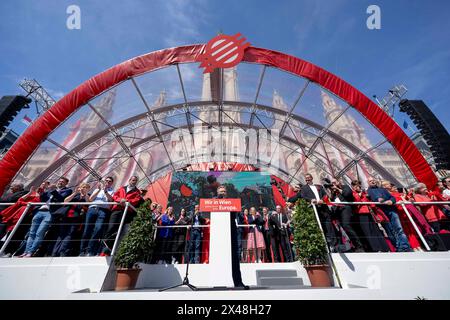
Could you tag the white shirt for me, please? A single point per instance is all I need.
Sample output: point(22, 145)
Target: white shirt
point(196, 220)
point(446, 193)
point(129, 188)
point(314, 190)
point(101, 197)
point(46, 207)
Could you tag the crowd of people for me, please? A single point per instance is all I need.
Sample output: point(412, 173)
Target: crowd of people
point(379, 227)
point(264, 234)
point(60, 230)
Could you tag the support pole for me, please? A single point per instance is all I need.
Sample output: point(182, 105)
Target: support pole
point(8, 239)
point(416, 228)
point(333, 266)
point(119, 231)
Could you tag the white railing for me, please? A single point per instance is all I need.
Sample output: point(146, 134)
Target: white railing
point(33, 204)
point(403, 204)
point(127, 206)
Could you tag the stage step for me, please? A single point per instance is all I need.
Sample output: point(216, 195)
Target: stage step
point(277, 273)
point(272, 282)
point(279, 278)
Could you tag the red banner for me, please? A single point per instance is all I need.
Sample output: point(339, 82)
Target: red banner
point(220, 205)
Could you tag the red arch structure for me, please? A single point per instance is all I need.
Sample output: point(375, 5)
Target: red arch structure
point(30, 140)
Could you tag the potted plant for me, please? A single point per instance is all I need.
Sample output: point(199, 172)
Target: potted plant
point(136, 246)
point(310, 245)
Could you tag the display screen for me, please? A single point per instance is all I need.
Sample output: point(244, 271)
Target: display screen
point(253, 188)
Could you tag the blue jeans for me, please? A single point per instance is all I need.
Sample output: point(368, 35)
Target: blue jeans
point(195, 245)
point(95, 218)
point(401, 241)
point(39, 226)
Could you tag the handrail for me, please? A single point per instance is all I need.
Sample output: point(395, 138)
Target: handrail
point(395, 203)
point(202, 226)
point(332, 203)
point(64, 203)
point(183, 226)
point(128, 205)
point(330, 257)
point(30, 204)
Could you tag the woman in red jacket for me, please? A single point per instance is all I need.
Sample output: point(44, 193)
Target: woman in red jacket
point(432, 213)
point(11, 215)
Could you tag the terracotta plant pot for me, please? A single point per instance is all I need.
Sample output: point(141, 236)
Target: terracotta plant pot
point(126, 279)
point(319, 275)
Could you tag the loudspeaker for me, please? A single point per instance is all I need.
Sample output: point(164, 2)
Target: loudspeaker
point(431, 129)
point(9, 108)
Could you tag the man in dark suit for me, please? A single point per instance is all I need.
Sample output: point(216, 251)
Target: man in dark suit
point(43, 216)
point(343, 193)
point(195, 242)
point(266, 234)
point(235, 266)
point(278, 230)
point(315, 194)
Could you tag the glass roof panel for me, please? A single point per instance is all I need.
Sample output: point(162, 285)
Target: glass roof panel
point(123, 102)
point(204, 114)
point(161, 87)
point(340, 155)
point(76, 175)
point(247, 77)
point(389, 159)
point(151, 159)
point(317, 114)
point(353, 127)
point(121, 169)
point(303, 133)
point(45, 154)
point(82, 125)
point(192, 77)
point(64, 170)
point(311, 106)
point(280, 89)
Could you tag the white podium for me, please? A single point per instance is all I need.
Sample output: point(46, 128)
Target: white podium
point(220, 271)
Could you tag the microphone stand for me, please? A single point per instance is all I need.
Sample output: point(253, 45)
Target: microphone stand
point(186, 276)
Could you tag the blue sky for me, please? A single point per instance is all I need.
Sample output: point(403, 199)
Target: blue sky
point(412, 47)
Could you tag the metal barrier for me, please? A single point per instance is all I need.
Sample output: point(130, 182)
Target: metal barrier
point(403, 204)
point(33, 204)
point(170, 256)
point(127, 206)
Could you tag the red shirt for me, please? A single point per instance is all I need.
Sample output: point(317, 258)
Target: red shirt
point(361, 209)
point(133, 197)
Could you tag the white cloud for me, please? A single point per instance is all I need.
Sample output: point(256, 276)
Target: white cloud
point(185, 18)
point(56, 94)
